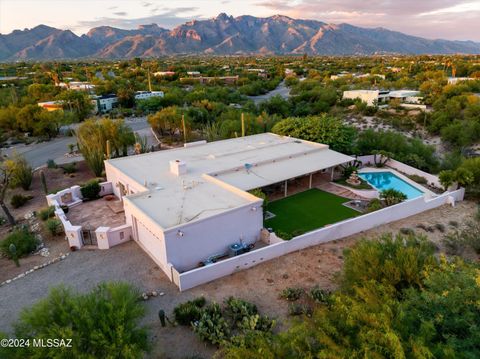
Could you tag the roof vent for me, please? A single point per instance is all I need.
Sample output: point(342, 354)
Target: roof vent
point(178, 167)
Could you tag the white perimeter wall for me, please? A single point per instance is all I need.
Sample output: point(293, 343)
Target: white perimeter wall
point(343, 229)
point(213, 235)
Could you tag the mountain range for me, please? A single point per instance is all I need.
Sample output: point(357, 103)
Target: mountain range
point(222, 35)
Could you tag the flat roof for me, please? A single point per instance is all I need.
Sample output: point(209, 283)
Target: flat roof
point(218, 173)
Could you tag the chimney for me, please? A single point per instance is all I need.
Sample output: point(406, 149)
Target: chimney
point(178, 167)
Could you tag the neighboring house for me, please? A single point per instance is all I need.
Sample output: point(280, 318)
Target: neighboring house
point(356, 76)
point(455, 80)
point(142, 95)
point(104, 103)
point(77, 86)
point(205, 79)
point(51, 105)
point(189, 204)
point(371, 97)
point(163, 73)
point(381, 98)
point(193, 73)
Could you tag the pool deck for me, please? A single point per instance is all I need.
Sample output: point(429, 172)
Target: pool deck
point(427, 193)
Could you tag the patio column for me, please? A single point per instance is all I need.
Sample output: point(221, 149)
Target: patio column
point(286, 188)
point(310, 184)
point(332, 172)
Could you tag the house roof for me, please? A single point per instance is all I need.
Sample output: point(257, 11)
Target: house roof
point(218, 174)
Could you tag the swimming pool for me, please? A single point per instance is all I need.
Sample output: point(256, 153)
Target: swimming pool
point(388, 180)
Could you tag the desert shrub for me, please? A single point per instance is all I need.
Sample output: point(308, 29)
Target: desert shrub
point(295, 309)
point(453, 223)
point(392, 196)
point(212, 326)
point(46, 213)
point(466, 237)
point(22, 173)
point(440, 227)
point(24, 241)
point(237, 308)
point(103, 323)
point(407, 231)
point(69, 168)
point(418, 179)
point(51, 164)
point(54, 226)
point(291, 294)
point(90, 190)
point(189, 312)
point(319, 295)
point(18, 200)
point(374, 205)
point(397, 261)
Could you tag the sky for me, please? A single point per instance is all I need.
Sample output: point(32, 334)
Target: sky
point(446, 19)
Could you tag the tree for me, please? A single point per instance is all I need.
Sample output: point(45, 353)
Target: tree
point(92, 136)
point(446, 178)
point(6, 175)
point(90, 141)
point(77, 102)
point(167, 121)
point(22, 172)
point(103, 323)
point(126, 97)
point(322, 129)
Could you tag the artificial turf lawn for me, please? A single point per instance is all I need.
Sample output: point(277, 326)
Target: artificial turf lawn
point(306, 211)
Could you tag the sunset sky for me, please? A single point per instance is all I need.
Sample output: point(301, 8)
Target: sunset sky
point(447, 19)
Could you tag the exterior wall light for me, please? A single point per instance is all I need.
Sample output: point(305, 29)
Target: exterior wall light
point(254, 209)
point(180, 233)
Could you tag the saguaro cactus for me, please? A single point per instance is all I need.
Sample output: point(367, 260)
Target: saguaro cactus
point(44, 182)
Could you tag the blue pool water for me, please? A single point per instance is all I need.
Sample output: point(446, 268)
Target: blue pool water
point(388, 180)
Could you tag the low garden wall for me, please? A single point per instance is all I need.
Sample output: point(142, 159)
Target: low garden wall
point(106, 237)
point(195, 277)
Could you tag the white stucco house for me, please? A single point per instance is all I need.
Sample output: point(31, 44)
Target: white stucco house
point(188, 204)
point(143, 95)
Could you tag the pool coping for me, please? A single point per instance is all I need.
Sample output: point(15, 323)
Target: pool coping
point(426, 192)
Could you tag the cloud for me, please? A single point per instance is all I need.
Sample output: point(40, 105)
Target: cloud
point(166, 19)
point(147, 4)
point(416, 17)
point(120, 13)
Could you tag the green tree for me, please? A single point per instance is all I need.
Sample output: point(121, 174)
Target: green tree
point(322, 129)
point(103, 323)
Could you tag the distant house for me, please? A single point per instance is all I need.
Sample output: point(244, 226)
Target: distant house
point(143, 95)
point(371, 97)
point(51, 105)
point(163, 73)
point(382, 97)
point(193, 73)
point(104, 103)
point(355, 76)
point(455, 80)
point(206, 80)
point(77, 86)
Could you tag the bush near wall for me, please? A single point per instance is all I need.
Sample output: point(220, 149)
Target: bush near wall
point(24, 241)
point(90, 190)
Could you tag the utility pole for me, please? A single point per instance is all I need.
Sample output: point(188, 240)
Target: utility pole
point(108, 149)
point(149, 81)
point(184, 129)
point(243, 125)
